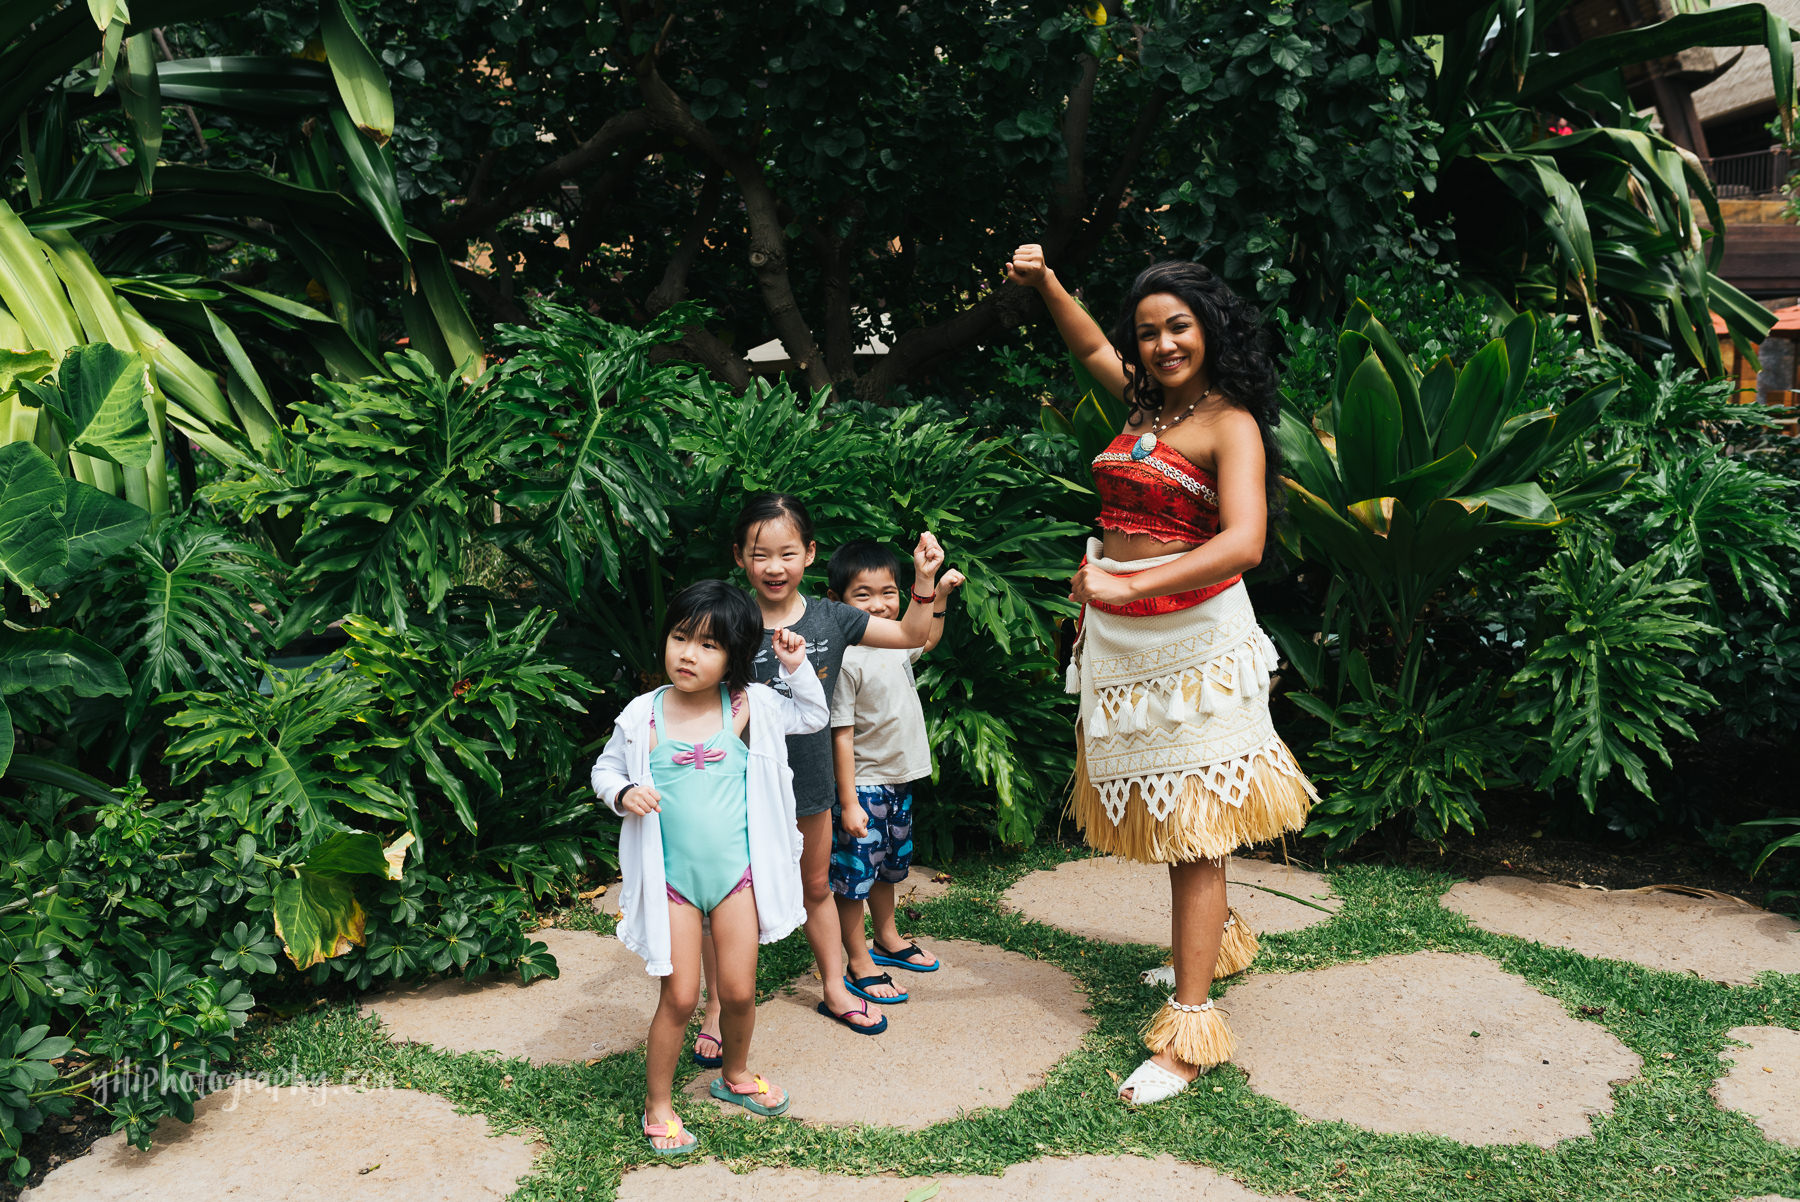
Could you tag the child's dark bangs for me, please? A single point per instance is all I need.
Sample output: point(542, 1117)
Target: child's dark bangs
point(701, 624)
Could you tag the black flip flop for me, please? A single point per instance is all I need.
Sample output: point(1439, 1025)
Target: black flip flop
point(898, 959)
point(708, 1061)
point(844, 1018)
point(860, 987)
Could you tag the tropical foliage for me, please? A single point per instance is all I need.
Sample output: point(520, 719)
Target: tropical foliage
point(1635, 568)
point(1563, 196)
point(98, 245)
point(315, 613)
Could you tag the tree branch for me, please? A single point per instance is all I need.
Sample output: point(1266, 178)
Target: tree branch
point(1071, 204)
point(702, 346)
point(673, 285)
point(584, 230)
point(490, 295)
point(921, 347)
point(162, 43)
point(477, 215)
point(768, 237)
point(834, 256)
point(1106, 208)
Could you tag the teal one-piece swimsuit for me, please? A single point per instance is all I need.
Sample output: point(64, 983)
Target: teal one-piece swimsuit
point(705, 811)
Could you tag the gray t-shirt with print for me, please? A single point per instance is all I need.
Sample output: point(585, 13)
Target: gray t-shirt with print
point(828, 627)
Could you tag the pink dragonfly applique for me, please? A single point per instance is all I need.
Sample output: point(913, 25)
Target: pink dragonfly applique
point(699, 756)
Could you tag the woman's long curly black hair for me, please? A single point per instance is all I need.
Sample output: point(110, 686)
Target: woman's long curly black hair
point(1240, 354)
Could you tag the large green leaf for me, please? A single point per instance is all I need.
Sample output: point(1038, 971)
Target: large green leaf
point(1415, 441)
point(23, 365)
point(1736, 25)
point(46, 771)
point(1478, 403)
point(48, 658)
point(1369, 431)
point(348, 852)
point(1429, 481)
point(446, 306)
point(29, 288)
point(143, 104)
point(361, 82)
point(96, 524)
point(1525, 501)
point(317, 914)
point(317, 917)
point(260, 86)
point(1558, 204)
point(1097, 420)
point(32, 501)
point(101, 391)
point(6, 737)
point(1305, 457)
point(371, 171)
point(1436, 391)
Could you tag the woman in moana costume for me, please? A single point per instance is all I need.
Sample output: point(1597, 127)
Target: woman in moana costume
point(1177, 762)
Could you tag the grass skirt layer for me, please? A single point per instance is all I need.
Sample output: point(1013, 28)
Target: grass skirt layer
point(1200, 1037)
point(1176, 758)
point(1202, 824)
point(1237, 949)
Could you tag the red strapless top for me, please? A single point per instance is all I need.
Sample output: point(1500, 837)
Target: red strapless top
point(1162, 495)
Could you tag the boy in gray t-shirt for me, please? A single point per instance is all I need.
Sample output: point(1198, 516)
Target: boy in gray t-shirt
point(879, 748)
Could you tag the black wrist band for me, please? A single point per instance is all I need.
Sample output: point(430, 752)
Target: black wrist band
point(618, 801)
point(938, 613)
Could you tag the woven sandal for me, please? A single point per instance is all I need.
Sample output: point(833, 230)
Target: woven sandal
point(1151, 1082)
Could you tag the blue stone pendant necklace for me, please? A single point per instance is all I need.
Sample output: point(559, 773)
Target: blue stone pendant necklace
point(1146, 443)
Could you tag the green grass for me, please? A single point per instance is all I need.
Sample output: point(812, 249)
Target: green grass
point(1665, 1139)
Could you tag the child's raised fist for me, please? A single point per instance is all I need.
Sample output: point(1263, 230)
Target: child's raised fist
point(949, 582)
point(790, 649)
point(928, 557)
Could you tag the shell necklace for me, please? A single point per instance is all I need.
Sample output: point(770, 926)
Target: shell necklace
point(1146, 443)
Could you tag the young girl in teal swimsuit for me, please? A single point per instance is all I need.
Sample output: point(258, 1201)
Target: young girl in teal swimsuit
point(698, 771)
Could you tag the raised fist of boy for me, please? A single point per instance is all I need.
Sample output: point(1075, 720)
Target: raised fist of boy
point(928, 557)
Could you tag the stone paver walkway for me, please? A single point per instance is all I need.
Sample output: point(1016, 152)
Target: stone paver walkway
point(601, 1004)
point(303, 1144)
point(1764, 1081)
point(1431, 1041)
point(1718, 939)
point(980, 1031)
point(1077, 1179)
point(1121, 901)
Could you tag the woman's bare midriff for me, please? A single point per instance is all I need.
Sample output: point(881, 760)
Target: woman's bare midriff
point(1117, 544)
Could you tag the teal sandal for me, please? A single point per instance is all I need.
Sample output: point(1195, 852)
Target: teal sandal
point(744, 1095)
point(673, 1129)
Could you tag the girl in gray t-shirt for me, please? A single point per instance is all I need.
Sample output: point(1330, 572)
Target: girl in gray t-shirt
point(773, 542)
